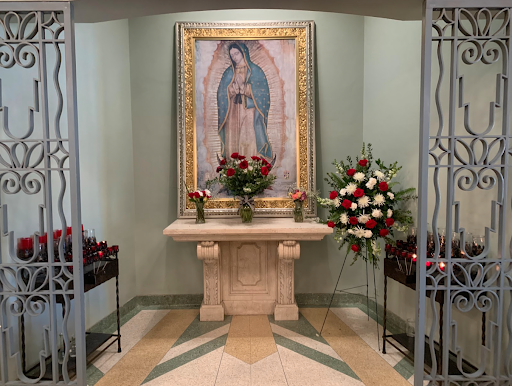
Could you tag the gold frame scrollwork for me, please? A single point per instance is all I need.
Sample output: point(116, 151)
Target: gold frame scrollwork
point(303, 33)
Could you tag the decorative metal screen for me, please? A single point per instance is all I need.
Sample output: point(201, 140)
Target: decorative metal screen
point(464, 188)
point(39, 180)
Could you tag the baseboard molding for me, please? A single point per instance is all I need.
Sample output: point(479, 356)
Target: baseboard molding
point(109, 323)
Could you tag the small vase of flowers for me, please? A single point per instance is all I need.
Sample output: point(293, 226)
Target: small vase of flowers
point(200, 197)
point(244, 179)
point(298, 197)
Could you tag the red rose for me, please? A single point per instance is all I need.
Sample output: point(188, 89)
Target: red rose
point(219, 168)
point(264, 161)
point(355, 248)
point(191, 195)
point(363, 162)
point(230, 172)
point(353, 220)
point(264, 170)
point(351, 172)
point(244, 164)
point(269, 165)
point(254, 158)
point(333, 195)
point(234, 155)
point(346, 204)
point(197, 195)
point(331, 224)
point(241, 157)
point(389, 222)
point(383, 186)
point(370, 224)
point(383, 232)
point(359, 192)
point(223, 162)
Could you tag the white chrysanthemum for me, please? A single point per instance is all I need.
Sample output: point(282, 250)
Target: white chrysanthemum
point(353, 206)
point(377, 213)
point(343, 192)
point(363, 218)
point(363, 202)
point(391, 195)
point(344, 218)
point(379, 199)
point(336, 202)
point(200, 193)
point(359, 177)
point(371, 183)
point(359, 232)
point(368, 234)
point(351, 231)
point(247, 190)
point(351, 188)
point(390, 213)
point(208, 193)
point(380, 176)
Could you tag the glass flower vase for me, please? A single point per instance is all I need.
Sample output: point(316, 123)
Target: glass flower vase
point(246, 213)
point(200, 213)
point(298, 212)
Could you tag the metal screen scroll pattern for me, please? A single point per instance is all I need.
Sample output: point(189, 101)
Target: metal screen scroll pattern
point(30, 33)
point(457, 156)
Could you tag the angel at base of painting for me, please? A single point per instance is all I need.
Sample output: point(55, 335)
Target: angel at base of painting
point(243, 102)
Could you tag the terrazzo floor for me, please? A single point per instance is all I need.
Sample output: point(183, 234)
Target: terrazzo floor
point(172, 347)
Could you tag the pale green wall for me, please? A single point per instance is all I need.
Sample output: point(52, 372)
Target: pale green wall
point(106, 150)
point(167, 267)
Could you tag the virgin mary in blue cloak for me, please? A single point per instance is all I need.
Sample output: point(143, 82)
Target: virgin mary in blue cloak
point(243, 101)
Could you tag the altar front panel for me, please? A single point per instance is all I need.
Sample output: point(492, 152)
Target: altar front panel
point(249, 277)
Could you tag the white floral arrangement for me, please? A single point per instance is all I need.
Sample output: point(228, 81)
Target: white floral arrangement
point(364, 204)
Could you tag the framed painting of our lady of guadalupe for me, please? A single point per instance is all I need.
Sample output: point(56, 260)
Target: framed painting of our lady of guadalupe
point(246, 88)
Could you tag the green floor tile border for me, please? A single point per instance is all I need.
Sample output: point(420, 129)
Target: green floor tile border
point(316, 356)
point(186, 357)
point(93, 375)
point(405, 368)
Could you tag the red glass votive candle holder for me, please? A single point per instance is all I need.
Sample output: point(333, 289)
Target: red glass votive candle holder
point(25, 248)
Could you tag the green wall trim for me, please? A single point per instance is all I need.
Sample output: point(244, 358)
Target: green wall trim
point(166, 302)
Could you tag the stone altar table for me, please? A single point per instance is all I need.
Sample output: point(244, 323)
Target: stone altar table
point(248, 269)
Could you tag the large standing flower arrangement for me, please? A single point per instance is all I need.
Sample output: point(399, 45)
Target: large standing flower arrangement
point(363, 205)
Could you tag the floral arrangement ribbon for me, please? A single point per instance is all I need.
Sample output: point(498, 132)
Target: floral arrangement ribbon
point(246, 200)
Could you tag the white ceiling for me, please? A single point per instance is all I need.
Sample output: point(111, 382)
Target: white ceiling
point(91, 11)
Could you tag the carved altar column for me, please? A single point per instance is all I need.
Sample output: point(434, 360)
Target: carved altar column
point(212, 307)
point(248, 269)
point(286, 307)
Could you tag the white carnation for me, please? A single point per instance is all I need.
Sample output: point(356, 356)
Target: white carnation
point(377, 213)
point(363, 218)
point(359, 177)
point(371, 183)
point(391, 195)
point(245, 171)
point(250, 168)
point(344, 218)
point(200, 193)
point(368, 234)
point(390, 213)
point(363, 202)
point(343, 192)
point(353, 206)
point(380, 176)
point(208, 193)
point(351, 188)
point(379, 199)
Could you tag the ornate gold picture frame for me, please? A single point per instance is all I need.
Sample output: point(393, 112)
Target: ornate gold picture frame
point(279, 65)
